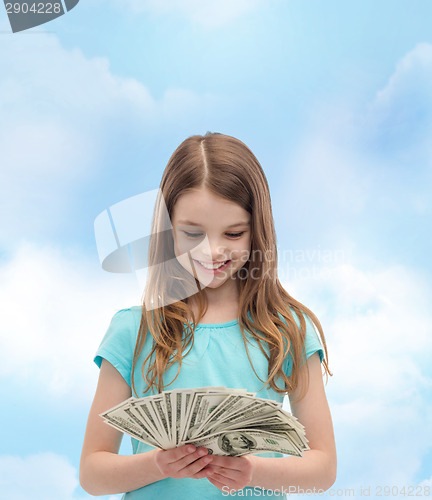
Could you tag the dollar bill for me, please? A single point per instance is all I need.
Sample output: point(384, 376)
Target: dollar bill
point(245, 441)
point(227, 421)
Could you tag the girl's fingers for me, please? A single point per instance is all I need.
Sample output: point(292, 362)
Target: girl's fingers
point(201, 474)
point(222, 479)
point(196, 467)
point(222, 472)
point(192, 457)
point(217, 483)
point(175, 454)
point(188, 464)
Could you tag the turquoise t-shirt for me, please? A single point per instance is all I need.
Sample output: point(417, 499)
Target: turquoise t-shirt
point(218, 358)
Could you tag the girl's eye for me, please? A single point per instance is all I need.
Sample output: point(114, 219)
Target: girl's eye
point(197, 235)
point(192, 235)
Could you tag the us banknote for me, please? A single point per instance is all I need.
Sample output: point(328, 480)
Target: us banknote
point(230, 422)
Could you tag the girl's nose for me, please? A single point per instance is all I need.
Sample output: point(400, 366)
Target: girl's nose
point(214, 249)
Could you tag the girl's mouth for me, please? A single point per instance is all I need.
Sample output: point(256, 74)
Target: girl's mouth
point(210, 269)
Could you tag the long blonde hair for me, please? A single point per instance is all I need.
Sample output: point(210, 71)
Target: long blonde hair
point(228, 168)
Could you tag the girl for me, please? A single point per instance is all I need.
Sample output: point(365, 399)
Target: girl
point(223, 319)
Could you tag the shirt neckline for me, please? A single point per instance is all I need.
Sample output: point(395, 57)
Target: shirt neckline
point(218, 325)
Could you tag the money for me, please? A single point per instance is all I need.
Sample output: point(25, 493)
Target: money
point(230, 422)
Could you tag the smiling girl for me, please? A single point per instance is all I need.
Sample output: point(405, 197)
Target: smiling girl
point(223, 319)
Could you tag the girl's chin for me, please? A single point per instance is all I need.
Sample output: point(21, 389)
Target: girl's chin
point(207, 277)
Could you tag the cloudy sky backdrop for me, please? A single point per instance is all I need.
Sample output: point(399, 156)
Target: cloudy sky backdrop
point(335, 100)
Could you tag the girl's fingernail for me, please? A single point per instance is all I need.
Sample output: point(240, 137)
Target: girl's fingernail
point(191, 449)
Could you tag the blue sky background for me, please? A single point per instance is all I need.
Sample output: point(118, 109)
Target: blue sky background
point(335, 100)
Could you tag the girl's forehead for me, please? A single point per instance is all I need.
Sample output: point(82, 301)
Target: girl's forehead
point(199, 207)
point(203, 196)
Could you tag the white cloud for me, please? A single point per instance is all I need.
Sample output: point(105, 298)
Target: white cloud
point(399, 118)
point(56, 307)
point(377, 325)
point(426, 483)
point(52, 128)
point(61, 111)
point(372, 160)
point(42, 476)
point(328, 176)
point(45, 476)
point(209, 14)
point(411, 78)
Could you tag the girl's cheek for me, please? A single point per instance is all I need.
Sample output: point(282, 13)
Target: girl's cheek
point(241, 257)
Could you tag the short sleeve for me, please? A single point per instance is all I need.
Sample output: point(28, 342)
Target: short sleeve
point(118, 344)
point(312, 342)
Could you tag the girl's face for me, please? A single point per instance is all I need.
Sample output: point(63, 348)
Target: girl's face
point(208, 231)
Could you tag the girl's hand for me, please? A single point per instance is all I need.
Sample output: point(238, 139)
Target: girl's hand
point(232, 472)
point(184, 461)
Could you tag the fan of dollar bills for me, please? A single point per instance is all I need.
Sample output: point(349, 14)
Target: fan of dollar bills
point(225, 421)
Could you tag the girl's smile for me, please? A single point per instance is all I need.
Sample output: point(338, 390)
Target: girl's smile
point(213, 268)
